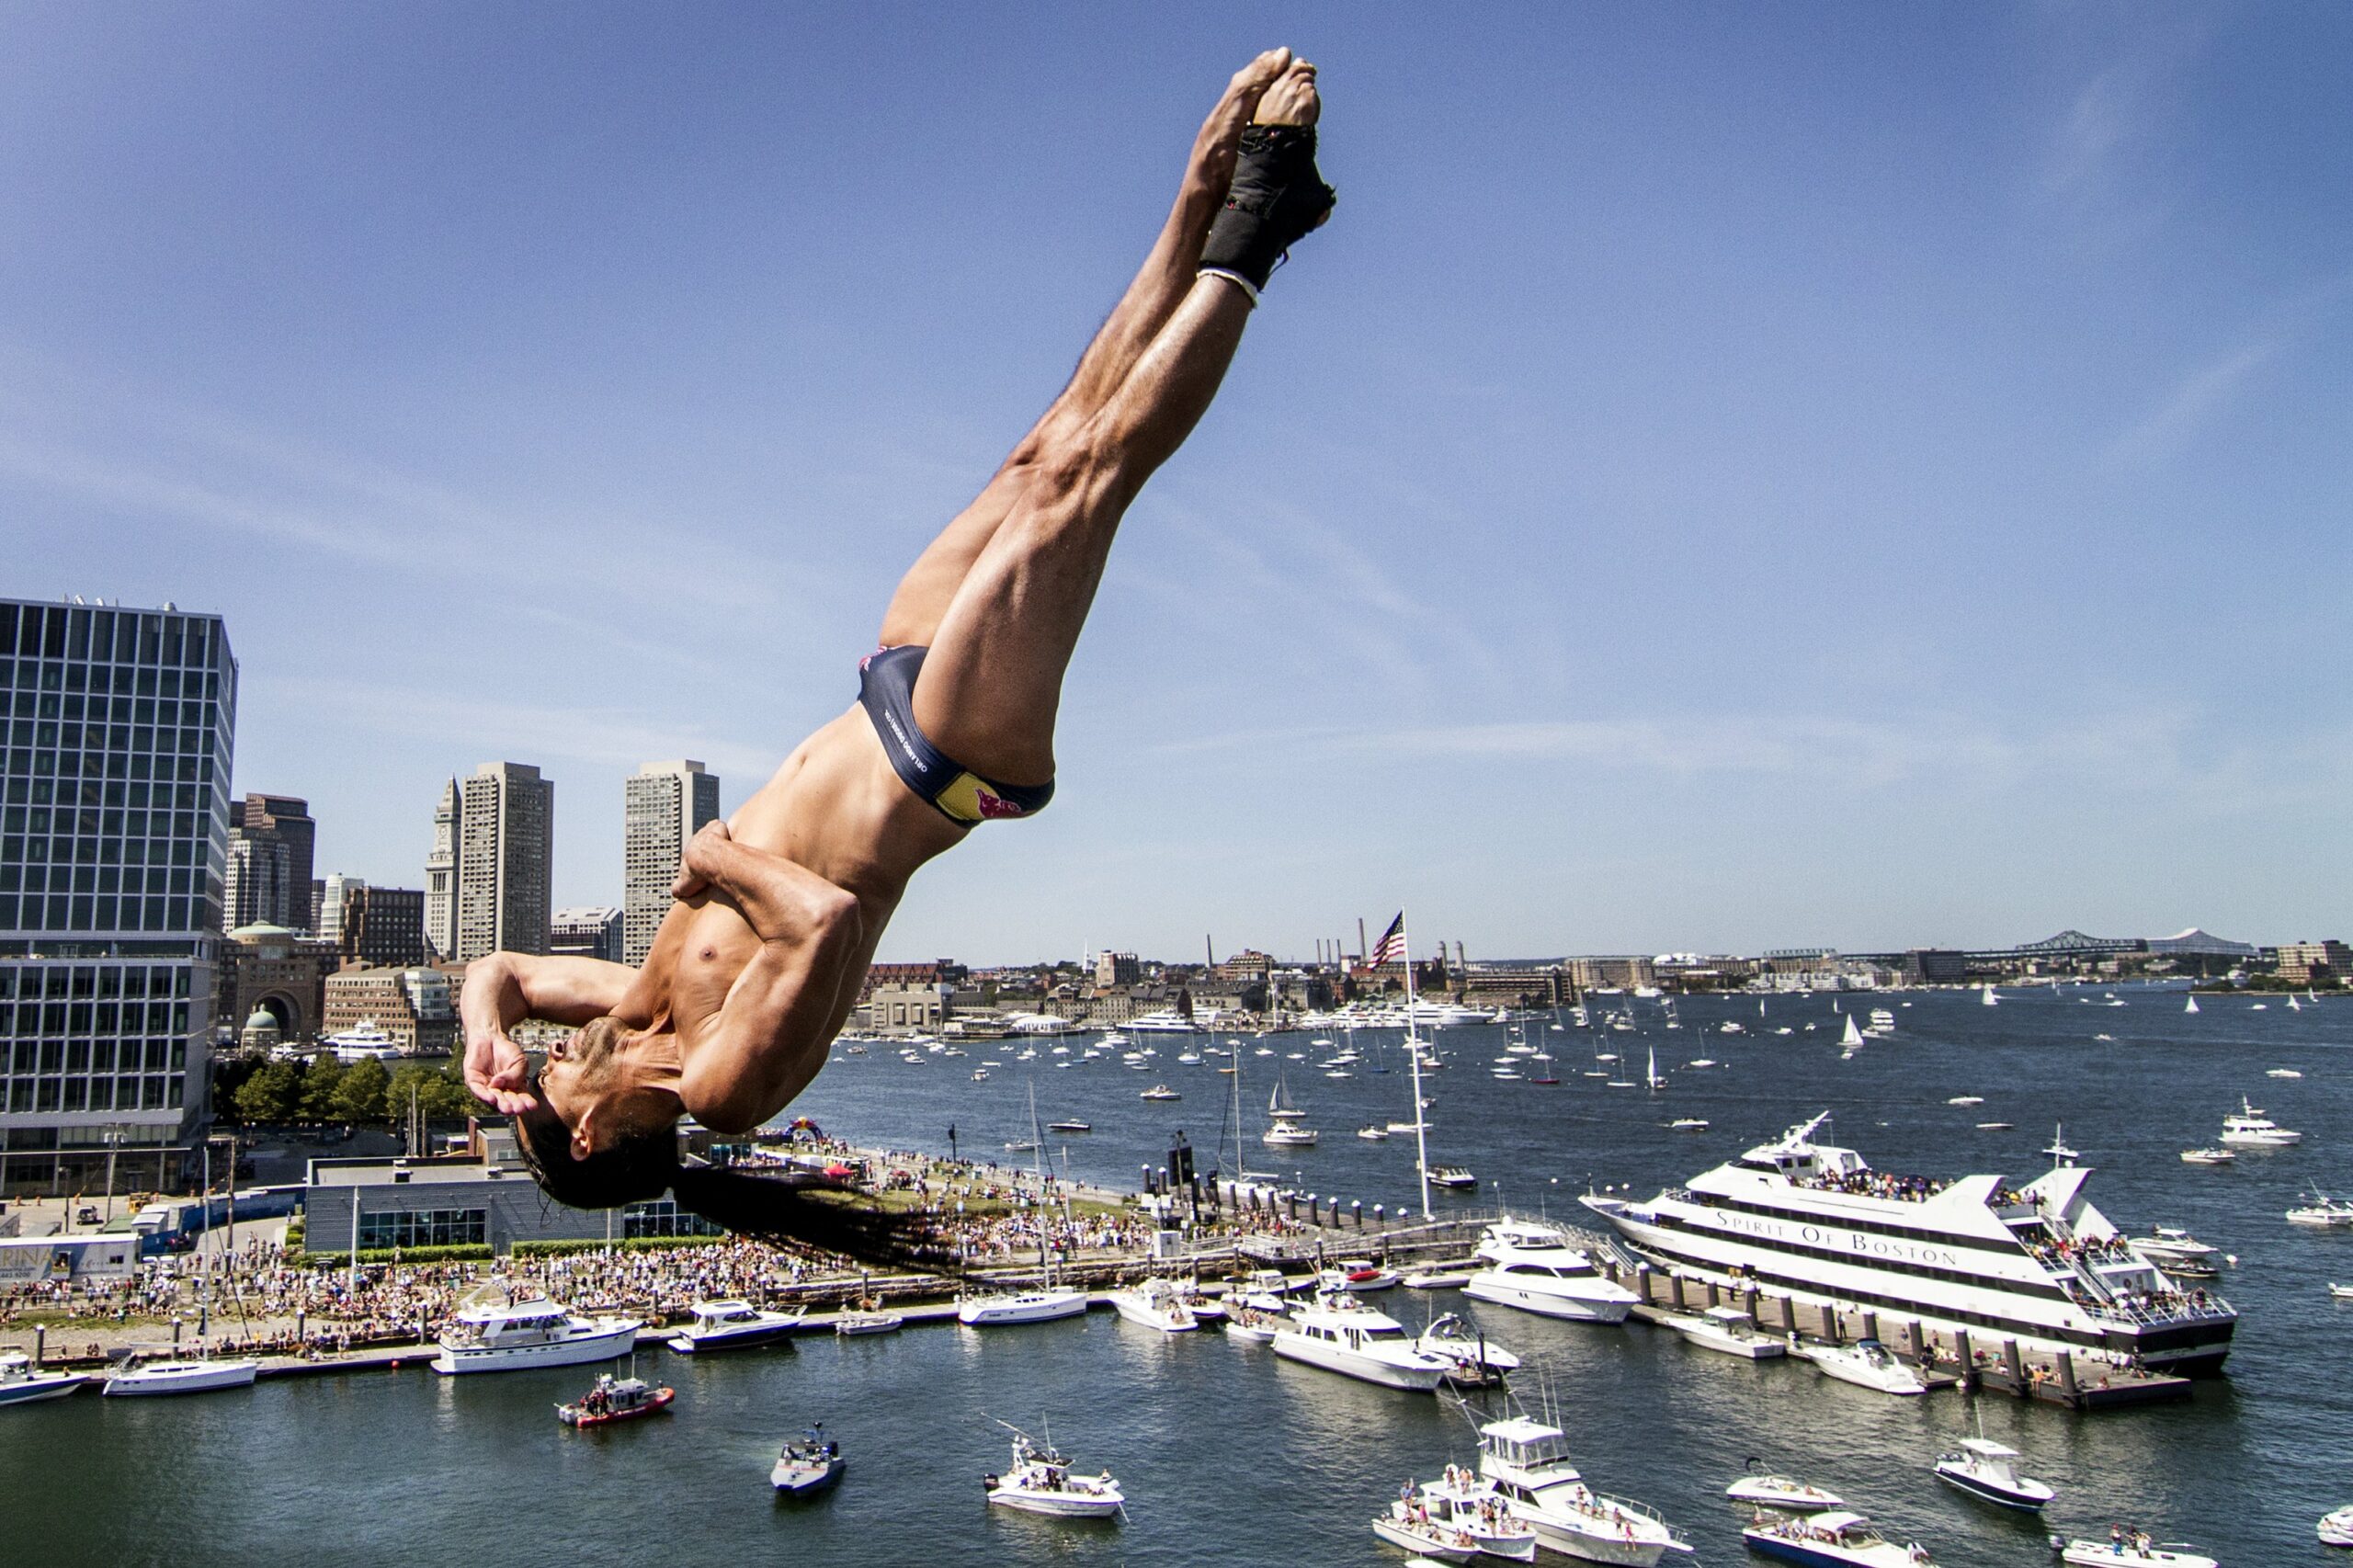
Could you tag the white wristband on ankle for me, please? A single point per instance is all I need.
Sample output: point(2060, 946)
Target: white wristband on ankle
point(1235, 277)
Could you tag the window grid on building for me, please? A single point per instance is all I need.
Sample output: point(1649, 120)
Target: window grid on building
point(424, 1228)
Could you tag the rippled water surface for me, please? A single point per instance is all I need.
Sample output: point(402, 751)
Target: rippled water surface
point(1232, 1457)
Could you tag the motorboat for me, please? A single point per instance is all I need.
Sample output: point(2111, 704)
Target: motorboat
point(1361, 1276)
point(2035, 1261)
point(1866, 1363)
point(1454, 1179)
point(164, 1373)
point(1160, 1092)
point(1532, 1267)
point(2169, 1245)
point(1463, 1500)
point(1836, 1539)
point(1687, 1124)
point(1040, 1482)
point(808, 1465)
point(2340, 1292)
point(849, 1325)
point(1284, 1129)
point(1966, 1099)
point(1341, 1334)
point(1478, 1360)
point(1784, 1493)
point(733, 1326)
point(1251, 1325)
point(1070, 1127)
point(516, 1334)
point(2249, 1127)
point(21, 1383)
point(2337, 1526)
point(2283, 1073)
point(1373, 1134)
point(2323, 1212)
point(1155, 1303)
point(1437, 1279)
point(1527, 1463)
point(1985, 1468)
point(1729, 1330)
point(2208, 1157)
point(2133, 1548)
point(1408, 1524)
point(615, 1400)
point(1044, 1303)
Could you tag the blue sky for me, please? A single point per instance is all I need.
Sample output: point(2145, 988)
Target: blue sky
point(1729, 476)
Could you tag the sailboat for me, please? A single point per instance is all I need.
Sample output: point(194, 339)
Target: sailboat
point(2193, 1004)
point(1046, 1301)
point(1285, 1131)
point(1852, 1040)
point(1656, 1082)
point(2294, 1006)
point(1988, 999)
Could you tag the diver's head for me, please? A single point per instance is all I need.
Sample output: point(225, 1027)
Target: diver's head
point(603, 1085)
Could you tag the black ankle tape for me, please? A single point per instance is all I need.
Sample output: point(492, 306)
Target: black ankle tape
point(1277, 198)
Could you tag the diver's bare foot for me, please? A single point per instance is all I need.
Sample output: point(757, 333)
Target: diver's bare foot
point(1293, 99)
point(1214, 148)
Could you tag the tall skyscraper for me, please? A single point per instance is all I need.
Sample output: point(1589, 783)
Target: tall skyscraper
point(377, 926)
point(505, 852)
point(666, 803)
point(441, 876)
point(113, 845)
point(589, 933)
point(267, 880)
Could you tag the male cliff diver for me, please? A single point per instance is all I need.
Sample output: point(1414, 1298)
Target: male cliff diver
point(757, 966)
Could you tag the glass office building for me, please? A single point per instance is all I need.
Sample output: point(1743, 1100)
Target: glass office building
point(114, 822)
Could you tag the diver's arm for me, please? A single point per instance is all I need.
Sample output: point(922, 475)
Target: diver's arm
point(745, 1062)
point(504, 989)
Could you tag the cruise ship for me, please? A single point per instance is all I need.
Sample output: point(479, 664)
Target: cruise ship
point(2037, 1264)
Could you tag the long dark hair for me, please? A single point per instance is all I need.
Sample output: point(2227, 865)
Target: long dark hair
point(794, 1209)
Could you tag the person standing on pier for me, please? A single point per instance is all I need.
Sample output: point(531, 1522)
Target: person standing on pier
point(757, 966)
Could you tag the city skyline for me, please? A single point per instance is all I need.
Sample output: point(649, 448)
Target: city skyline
point(1860, 478)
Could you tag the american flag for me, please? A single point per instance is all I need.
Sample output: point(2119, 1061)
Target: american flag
point(1391, 949)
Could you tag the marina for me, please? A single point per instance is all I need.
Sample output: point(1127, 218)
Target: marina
point(1644, 1414)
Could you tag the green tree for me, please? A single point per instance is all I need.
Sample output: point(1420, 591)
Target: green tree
point(319, 1087)
point(360, 1096)
point(273, 1094)
point(448, 1099)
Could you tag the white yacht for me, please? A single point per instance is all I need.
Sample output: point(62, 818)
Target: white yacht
point(1730, 1331)
point(1464, 1501)
point(1046, 1304)
point(2249, 1127)
point(2208, 1157)
point(1866, 1363)
point(1533, 1268)
point(732, 1325)
point(1041, 1482)
point(1339, 1335)
point(1975, 1254)
point(1284, 1129)
point(164, 1373)
point(2169, 1245)
point(509, 1335)
point(1165, 1021)
point(1157, 1304)
point(21, 1383)
point(1528, 1463)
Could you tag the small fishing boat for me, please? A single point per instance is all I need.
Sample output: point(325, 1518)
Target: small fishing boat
point(1251, 1325)
point(1465, 1501)
point(1437, 1279)
point(2337, 1526)
point(615, 1399)
point(2208, 1157)
point(2340, 1292)
point(1988, 1469)
point(1453, 1177)
point(1070, 1127)
point(1160, 1092)
point(1040, 1482)
point(2323, 1212)
point(808, 1465)
point(21, 1383)
point(2132, 1548)
point(1373, 1134)
point(863, 1320)
point(1405, 1524)
point(1687, 1124)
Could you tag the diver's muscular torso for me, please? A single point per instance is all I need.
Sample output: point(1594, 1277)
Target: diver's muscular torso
point(834, 808)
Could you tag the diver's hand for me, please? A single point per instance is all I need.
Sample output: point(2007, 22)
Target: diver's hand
point(701, 861)
point(496, 1070)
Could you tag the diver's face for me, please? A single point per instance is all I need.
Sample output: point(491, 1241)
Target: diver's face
point(578, 1066)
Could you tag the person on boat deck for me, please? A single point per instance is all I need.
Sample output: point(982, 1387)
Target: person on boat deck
point(780, 907)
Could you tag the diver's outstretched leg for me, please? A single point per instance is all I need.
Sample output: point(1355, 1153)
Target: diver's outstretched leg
point(992, 682)
point(923, 592)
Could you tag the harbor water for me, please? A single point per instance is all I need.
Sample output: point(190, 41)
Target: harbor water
point(1229, 1456)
